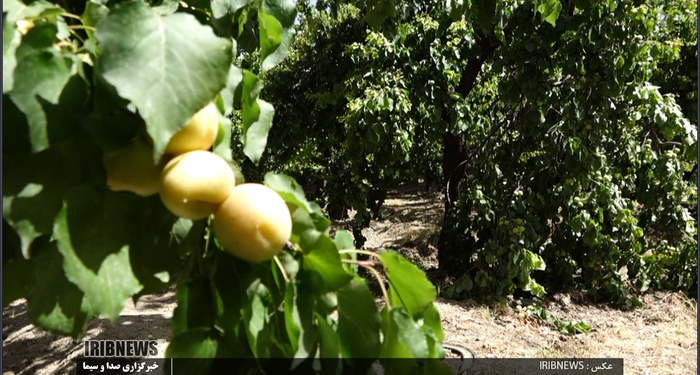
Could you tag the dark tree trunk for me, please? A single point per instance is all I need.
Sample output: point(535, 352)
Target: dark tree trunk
point(454, 156)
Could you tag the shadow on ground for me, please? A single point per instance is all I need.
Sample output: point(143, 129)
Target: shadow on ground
point(28, 350)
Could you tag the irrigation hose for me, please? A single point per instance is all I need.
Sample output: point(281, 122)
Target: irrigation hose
point(467, 363)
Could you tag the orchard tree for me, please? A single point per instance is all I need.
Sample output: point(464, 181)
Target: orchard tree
point(120, 181)
point(563, 144)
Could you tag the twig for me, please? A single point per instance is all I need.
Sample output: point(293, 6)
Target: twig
point(70, 15)
point(82, 27)
point(284, 272)
point(369, 265)
point(358, 251)
point(381, 285)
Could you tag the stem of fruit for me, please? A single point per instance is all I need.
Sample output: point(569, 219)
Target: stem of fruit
point(70, 15)
point(83, 27)
point(284, 273)
point(75, 34)
point(381, 284)
point(203, 252)
point(358, 251)
point(369, 265)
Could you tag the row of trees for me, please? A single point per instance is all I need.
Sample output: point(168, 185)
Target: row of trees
point(562, 133)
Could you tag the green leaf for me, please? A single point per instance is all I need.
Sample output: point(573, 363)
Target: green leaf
point(535, 261)
point(230, 290)
point(34, 185)
point(432, 322)
point(93, 232)
point(231, 94)
point(328, 344)
point(285, 11)
point(60, 121)
point(221, 8)
point(41, 74)
point(257, 121)
point(403, 338)
point(197, 343)
point(358, 322)
point(304, 230)
point(17, 278)
point(195, 307)
point(299, 319)
point(289, 190)
point(408, 286)
point(16, 10)
point(276, 21)
point(223, 147)
point(378, 11)
point(343, 240)
point(15, 128)
point(165, 7)
point(256, 319)
point(11, 38)
point(549, 11)
point(113, 131)
point(93, 14)
point(54, 303)
point(324, 266)
point(168, 67)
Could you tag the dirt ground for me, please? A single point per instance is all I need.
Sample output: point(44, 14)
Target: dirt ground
point(658, 338)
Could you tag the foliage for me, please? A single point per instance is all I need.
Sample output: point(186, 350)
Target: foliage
point(87, 79)
point(574, 124)
point(565, 328)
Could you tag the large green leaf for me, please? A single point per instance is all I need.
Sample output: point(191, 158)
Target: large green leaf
point(34, 185)
point(358, 322)
point(156, 261)
point(408, 286)
point(328, 340)
point(231, 278)
point(197, 343)
point(54, 303)
point(220, 8)
point(168, 67)
point(324, 266)
point(93, 14)
point(290, 191)
point(256, 319)
point(431, 321)
point(276, 21)
point(299, 320)
point(41, 74)
point(11, 38)
point(195, 307)
point(94, 231)
point(223, 147)
point(17, 278)
point(328, 349)
point(404, 336)
point(257, 121)
point(549, 10)
point(231, 94)
point(17, 10)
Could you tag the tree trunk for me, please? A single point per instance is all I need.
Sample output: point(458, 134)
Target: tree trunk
point(453, 157)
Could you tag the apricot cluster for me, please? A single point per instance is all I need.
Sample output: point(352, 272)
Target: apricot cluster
point(251, 221)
